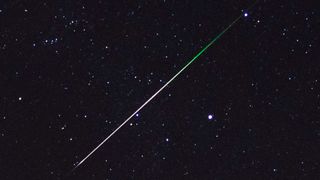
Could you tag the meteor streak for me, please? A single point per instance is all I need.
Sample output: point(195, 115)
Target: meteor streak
point(156, 93)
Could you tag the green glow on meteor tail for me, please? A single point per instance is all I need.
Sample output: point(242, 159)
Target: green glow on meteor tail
point(203, 50)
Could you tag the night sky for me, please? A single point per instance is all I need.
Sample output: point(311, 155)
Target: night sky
point(72, 71)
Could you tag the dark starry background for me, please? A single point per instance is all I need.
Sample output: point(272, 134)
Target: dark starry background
point(72, 71)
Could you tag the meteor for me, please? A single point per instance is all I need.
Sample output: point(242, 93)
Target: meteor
point(157, 92)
